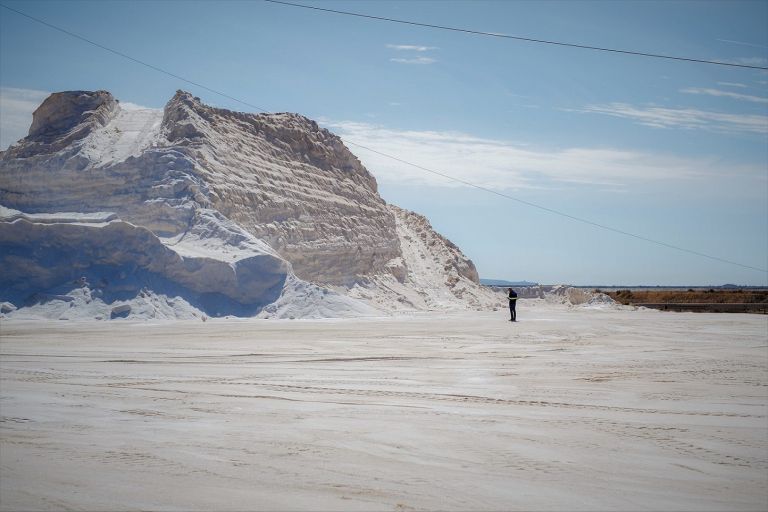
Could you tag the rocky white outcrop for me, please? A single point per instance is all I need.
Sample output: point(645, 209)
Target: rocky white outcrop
point(294, 185)
point(233, 213)
point(431, 274)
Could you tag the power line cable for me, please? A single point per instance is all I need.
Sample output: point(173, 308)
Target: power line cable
point(123, 55)
point(516, 38)
point(458, 180)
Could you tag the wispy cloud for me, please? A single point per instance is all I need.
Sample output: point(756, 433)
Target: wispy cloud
point(726, 94)
point(415, 60)
point(507, 165)
point(419, 59)
point(733, 84)
point(750, 61)
point(16, 107)
point(411, 47)
point(686, 118)
point(742, 43)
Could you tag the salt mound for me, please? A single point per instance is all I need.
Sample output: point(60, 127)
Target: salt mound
point(568, 295)
point(209, 211)
point(601, 301)
point(301, 299)
point(90, 303)
point(432, 273)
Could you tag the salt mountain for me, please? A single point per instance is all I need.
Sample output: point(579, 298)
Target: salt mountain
point(109, 210)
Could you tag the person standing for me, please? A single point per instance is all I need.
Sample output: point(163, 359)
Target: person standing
point(512, 296)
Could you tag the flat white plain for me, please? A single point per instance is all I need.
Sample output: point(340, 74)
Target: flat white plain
point(569, 409)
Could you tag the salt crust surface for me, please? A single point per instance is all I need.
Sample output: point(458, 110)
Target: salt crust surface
point(568, 409)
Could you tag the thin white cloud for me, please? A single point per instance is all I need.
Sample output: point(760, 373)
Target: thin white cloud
point(732, 84)
point(411, 47)
point(685, 118)
point(751, 61)
point(504, 165)
point(742, 43)
point(16, 107)
point(726, 94)
point(415, 60)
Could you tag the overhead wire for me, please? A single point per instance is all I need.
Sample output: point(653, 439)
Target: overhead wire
point(557, 212)
point(397, 159)
point(517, 38)
point(133, 59)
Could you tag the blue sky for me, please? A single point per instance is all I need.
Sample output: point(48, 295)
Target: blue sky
point(672, 151)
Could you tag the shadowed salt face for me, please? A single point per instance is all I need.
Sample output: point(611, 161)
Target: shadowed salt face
point(61, 112)
point(119, 260)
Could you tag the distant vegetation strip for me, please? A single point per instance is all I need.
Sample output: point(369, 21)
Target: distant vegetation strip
point(710, 300)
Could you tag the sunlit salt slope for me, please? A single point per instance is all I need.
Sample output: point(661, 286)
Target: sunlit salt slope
point(109, 211)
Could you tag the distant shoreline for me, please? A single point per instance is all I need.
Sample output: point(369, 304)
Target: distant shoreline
point(726, 287)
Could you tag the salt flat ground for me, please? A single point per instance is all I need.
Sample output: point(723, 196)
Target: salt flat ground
point(568, 409)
